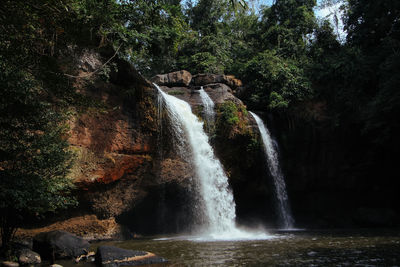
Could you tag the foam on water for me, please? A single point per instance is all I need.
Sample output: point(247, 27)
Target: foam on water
point(236, 235)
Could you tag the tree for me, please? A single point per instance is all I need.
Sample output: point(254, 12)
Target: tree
point(275, 81)
point(153, 32)
point(286, 26)
point(34, 156)
point(374, 27)
point(369, 22)
point(206, 15)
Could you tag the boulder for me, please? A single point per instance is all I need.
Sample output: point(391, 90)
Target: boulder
point(160, 79)
point(204, 79)
point(177, 78)
point(59, 245)
point(9, 264)
point(28, 257)
point(108, 256)
point(232, 82)
point(220, 93)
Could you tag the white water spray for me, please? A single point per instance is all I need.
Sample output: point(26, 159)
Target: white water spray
point(217, 199)
point(209, 112)
point(271, 154)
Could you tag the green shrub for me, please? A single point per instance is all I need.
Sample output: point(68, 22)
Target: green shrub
point(229, 113)
point(175, 92)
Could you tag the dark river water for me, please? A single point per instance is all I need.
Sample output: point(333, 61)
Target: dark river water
point(294, 248)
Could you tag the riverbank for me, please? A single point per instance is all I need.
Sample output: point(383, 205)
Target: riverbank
point(88, 227)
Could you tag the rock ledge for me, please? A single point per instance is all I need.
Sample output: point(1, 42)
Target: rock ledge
point(108, 256)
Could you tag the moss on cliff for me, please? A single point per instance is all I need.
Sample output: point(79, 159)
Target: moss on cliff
point(232, 120)
point(238, 146)
point(235, 135)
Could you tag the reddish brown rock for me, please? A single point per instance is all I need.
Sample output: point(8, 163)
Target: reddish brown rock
point(232, 82)
point(205, 79)
point(88, 226)
point(107, 146)
point(122, 165)
point(108, 256)
point(177, 78)
point(175, 170)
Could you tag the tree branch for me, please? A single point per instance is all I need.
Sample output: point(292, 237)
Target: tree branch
point(91, 73)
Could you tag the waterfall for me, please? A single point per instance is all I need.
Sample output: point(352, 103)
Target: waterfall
point(216, 197)
point(209, 113)
point(285, 214)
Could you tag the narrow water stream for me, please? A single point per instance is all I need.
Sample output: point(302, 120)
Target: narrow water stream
point(271, 154)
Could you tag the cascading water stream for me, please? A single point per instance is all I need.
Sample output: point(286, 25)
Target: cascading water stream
point(217, 199)
point(209, 112)
point(271, 154)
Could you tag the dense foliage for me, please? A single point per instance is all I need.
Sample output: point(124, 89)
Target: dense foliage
point(34, 155)
point(34, 158)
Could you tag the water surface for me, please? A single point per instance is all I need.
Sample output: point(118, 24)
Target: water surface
point(294, 248)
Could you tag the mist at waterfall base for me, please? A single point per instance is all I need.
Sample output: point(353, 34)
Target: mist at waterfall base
point(216, 204)
point(271, 154)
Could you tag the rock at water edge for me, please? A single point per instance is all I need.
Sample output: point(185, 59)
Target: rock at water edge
point(60, 244)
point(108, 256)
point(28, 257)
point(9, 264)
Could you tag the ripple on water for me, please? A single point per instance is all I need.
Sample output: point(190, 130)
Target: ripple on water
point(296, 250)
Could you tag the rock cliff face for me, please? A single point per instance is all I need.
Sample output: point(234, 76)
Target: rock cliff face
point(126, 168)
point(236, 140)
point(113, 134)
point(328, 178)
point(114, 139)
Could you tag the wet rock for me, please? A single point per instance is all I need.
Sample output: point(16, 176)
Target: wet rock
point(221, 93)
point(59, 244)
point(9, 264)
point(177, 78)
point(108, 256)
point(87, 257)
point(28, 257)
